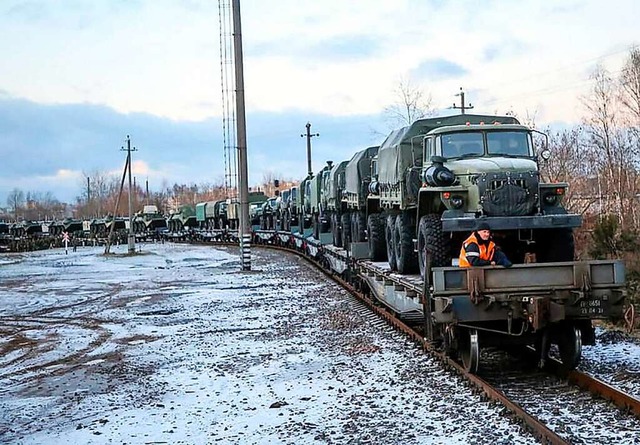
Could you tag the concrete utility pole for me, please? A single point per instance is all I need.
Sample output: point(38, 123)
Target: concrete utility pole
point(131, 238)
point(241, 134)
point(462, 107)
point(309, 136)
point(88, 195)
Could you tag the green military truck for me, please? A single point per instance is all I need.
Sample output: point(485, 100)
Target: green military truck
point(439, 178)
point(331, 206)
point(312, 201)
point(360, 214)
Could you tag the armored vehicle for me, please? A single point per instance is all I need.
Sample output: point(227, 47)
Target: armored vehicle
point(147, 221)
point(184, 218)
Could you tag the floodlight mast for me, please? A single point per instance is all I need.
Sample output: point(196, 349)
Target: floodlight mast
point(241, 133)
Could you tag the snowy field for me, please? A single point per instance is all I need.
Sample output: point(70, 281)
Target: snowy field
point(177, 346)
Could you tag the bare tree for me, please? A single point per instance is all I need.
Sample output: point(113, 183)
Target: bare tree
point(630, 85)
point(15, 201)
point(614, 152)
point(411, 104)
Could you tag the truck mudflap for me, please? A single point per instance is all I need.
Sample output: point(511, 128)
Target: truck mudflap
point(537, 293)
point(458, 222)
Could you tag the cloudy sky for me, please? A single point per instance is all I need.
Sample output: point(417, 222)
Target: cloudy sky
point(79, 75)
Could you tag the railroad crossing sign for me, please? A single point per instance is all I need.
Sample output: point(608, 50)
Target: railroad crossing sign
point(65, 238)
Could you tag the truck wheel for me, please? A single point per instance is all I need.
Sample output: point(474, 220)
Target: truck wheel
point(335, 231)
point(361, 226)
point(403, 242)
point(375, 228)
point(555, 245)
point(391, 251)
point(345, 223)
point(432, 244)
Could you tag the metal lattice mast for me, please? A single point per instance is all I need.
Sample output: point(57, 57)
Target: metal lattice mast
point(227, 81)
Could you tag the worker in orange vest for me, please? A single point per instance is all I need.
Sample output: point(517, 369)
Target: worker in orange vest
point(479, 250)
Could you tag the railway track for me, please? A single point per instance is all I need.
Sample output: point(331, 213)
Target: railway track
point(571, 408)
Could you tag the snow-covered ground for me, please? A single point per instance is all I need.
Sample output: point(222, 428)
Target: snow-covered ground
point(176, 345)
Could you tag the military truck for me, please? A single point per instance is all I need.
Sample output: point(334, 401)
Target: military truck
point(313, 199)
point(282, 204)
point(331, 206)
point(292, 211)
point(480, 169)
point(267, 214)
point(360, 208)
point(300, 213)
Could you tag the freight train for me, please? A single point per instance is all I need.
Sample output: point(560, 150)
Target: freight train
point(395, 216)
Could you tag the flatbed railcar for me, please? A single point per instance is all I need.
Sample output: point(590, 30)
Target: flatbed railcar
point(465, 309)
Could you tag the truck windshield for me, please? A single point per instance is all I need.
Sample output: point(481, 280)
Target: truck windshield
point(466, 143)
point(510, 143)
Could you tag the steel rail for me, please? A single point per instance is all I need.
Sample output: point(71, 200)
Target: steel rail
point(537, 428)
point(595, 386)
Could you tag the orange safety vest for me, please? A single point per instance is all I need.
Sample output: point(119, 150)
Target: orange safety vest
point(486, 251)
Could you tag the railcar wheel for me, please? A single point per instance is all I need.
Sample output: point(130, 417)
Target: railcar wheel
point(469, 349)
point(432, 243)
point(375, 229)
point(570, 347)
point(391, 251)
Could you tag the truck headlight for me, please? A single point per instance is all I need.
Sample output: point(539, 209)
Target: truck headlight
point(456, 201)
point(550, 199)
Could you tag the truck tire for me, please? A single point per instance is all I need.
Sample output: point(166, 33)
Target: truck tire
point(391, 251)
point(433, 248)
point(375, 230)
point(357, 227)
point(555, 245)
point(405, 228)
point(335, 231)
point(345, 224)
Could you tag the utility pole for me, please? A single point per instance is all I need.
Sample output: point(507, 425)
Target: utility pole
point(462, 107)
point(88, 196)
point(309, 136)
point(147, 188)
point(241, 134)
point(131, 238)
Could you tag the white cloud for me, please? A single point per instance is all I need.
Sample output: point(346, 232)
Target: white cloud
point(163, 57)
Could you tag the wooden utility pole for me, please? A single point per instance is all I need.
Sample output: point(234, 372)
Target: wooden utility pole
point(309, 136)
point(241, 134)
point(462, 107)
point(131, 237)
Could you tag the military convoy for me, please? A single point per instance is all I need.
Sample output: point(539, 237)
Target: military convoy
point(414, 199)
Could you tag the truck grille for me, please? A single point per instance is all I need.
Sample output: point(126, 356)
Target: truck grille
point(513, 194)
